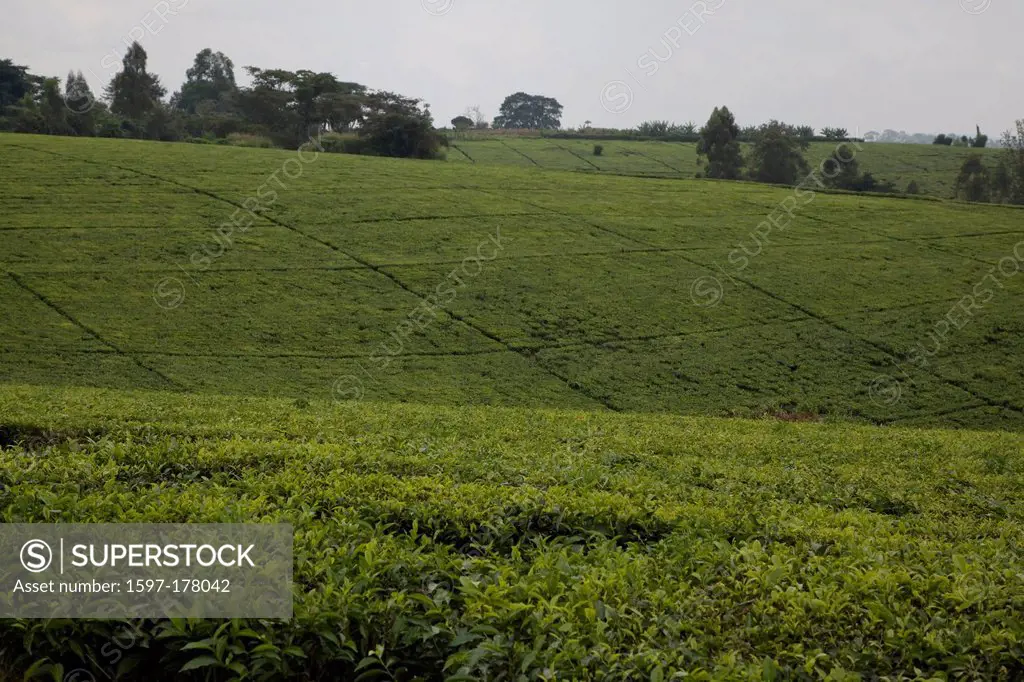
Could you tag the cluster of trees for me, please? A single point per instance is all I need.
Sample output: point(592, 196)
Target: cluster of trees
point(776, 154)
point(520, 110)
point(1005, 183)
point(285, 108)
point(281, 107)
point(979, 141)
point(690, 131)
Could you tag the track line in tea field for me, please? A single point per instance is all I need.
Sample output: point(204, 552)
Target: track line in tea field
point(657, 160)
point(831, 322)
point(522, 154)
point(922, 243)
point(579, 156)
point(934, 413)
point(93, 333)
point(409, 219)
point(462, 151)
point(317, 356)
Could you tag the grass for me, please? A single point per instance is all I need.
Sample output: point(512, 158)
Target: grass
point(456, 284)
point(492, 543)
point(934, 168)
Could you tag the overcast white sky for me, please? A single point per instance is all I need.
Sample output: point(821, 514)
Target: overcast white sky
point(918, 65)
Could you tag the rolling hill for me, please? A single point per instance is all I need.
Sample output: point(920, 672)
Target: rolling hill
point(933, 168)
point(199, 268)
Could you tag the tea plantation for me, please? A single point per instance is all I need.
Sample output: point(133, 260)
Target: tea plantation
point(934, 168)
point(498, 405)
point(495, 543)
point(137, 265)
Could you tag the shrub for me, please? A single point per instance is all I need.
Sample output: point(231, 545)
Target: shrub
point(462, 123)
point(973, 183)
point(249, 140)
point(777, 157)
point(913, 188)
point(621, 538)
point(719, 144)
point(406, 135)
point(654, 128)
point(598, 149)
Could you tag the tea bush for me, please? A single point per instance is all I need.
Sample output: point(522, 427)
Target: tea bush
point(486, 543)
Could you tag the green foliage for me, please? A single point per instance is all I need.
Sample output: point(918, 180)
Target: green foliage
point(973, 183)
point(777, 155)
point(720, 144)
point(668, 131)
point(980, 140)
point(805, 133)
point(396, 126)
point(1008, 181)
point(944, 140)
point(835, 134)
point(133, 92)
point(210, 82)
point(490, 544)
point(462, 123)
point(537, 112)
point(52, 109)
point(598, 149)
point(654, 128)
point(15, 83)
point(249, 140)
point(83, 109)
point(913, 188)
point(842, 170)
point(291, 106)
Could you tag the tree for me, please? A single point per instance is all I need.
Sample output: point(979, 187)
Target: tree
point(748, 133)
point(52, 109)
point(777, 156)
point(536, 112)
point(211, 80)
point(290, 106)
point(1008, 179)
point(15, 83)
point(462, 123)
point(973, 183)
point(837, 134)
point(163, 123)
point(980, 140)
point(720, 144)
point(396, 126)
point(133, 92)
point(941, 139)
point(479, 120)
point(847, 175)
point(77, 94)
point(653, 128)
point(806, 133)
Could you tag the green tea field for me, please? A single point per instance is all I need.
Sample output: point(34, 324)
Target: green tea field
point(195, 268)
point(482, 543)
point(410, 342)
point(933, 168)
